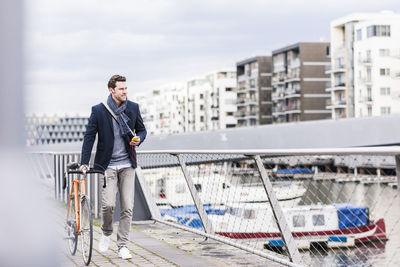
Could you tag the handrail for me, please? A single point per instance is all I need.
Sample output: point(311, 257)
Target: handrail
point(376, 150)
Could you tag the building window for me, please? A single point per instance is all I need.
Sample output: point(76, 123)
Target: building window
point(378, 30)
point(249, 214)
point(369, 94)
point(384, 52)
point(385, 91)
point(384, 72)
point(318, 220)
point(229, 114)
point(198, 187)
point(359, 36)
point(368, 55)
point(201, 118)
point(252, 83)
point(369, 111)
point(369, 75)
point(201, 96)
point(201, 107)
point(228, 89)
point(299, 221)
point(385, 110)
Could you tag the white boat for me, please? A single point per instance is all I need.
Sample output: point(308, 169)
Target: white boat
point(336, 225)
point(216, 190)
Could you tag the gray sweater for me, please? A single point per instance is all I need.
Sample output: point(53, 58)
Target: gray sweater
point(119, 156)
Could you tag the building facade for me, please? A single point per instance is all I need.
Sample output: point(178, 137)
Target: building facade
point(211, 101)
point(254, 103)
point(164, 111)
point(43, 130)
point(365, 74)
point(298, 82)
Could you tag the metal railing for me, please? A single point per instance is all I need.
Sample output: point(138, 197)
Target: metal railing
point(292, 206)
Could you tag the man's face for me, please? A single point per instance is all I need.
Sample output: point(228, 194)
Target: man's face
point(120, 91)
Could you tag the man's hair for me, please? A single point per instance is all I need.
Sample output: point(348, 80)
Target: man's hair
point(114, 79)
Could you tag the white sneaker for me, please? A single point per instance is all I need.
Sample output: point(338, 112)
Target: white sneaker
point(124, 253)
point(104, 242)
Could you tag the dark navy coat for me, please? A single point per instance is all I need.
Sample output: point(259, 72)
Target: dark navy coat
point(100, 122)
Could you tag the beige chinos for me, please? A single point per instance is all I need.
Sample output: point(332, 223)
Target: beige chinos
point(124, 180)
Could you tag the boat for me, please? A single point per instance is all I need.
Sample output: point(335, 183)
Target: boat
point(328, 226)
point(216, 190)
point(297, 173)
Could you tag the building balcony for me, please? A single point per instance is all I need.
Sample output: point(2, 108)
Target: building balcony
point(247, 90)
point(365, 81)
point(278, 96)
point(241, 78)
point(293, 111)
point(248, 103)
point(295, 63)
point(278, 79)
point(293, 93)
point(278, 83)
point(278, 113)
point(366, 100)
point(336, 87)
point(335, 69)
point(337, 104)
point(279, 67)
point(365, 61)
point(254, 73)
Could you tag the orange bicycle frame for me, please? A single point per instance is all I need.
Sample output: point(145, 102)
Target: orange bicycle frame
point(75, 191)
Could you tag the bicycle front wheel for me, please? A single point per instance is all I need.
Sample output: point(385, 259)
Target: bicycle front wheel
point(72, 236)
point(86, 230)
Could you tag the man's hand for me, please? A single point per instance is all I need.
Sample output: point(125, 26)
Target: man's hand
point(135, 141)
point(84, 168)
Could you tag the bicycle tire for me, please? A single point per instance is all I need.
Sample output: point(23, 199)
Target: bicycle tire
point(86, 230)
point(72, 236)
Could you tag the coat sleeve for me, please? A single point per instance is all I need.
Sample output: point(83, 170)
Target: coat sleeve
point(139, 126)
point(89, 138)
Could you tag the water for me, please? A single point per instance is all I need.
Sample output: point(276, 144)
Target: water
point(383, 201)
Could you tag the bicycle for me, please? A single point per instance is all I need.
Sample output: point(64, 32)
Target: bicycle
point(79, 214)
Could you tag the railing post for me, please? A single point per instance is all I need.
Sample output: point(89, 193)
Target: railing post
point(151, 204)
point(197, 202)
point(286, 234)
point(397, 157)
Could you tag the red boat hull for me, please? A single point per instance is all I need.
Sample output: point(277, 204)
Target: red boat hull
point(379, 234)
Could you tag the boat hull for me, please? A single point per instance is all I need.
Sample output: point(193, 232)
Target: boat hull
point(333, 238)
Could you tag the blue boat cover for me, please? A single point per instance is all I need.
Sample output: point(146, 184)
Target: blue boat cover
point(276, 243)
point(181, 214)
point(294, 171)
point(352, 216)
point(337, 239)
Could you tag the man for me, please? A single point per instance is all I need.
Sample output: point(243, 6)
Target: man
point(115, 122)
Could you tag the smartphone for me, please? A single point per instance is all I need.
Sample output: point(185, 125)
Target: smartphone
point(135, 138)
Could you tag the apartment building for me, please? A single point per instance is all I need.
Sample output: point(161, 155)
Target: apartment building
point(254, 104)
point(365, 76)
point(298, 82)
point(211, 102)
point(167, 110)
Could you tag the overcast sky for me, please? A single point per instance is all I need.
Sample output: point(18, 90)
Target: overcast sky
point(74, 46)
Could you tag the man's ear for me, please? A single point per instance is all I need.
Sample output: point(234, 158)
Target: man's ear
point(111, 90)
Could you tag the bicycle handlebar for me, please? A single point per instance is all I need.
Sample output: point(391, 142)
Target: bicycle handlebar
point(82, 172)
point(73, 169)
